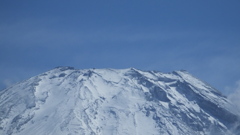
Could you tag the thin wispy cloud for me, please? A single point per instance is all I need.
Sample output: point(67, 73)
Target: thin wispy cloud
point(234, 96)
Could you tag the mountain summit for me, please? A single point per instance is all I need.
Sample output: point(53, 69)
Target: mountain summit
point(67, 101)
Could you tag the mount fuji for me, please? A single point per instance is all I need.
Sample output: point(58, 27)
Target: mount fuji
point(68, 101)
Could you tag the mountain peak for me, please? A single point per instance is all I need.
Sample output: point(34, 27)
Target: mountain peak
point(115, 101)
point(63, 68)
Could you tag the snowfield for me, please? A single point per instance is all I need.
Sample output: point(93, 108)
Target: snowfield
point(67, 101)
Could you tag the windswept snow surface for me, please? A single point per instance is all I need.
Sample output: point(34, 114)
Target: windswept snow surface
point(66, 101)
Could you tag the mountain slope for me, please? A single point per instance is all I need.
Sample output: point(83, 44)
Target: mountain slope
point(66, 101)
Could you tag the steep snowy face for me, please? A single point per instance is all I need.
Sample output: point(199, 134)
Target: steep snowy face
point(66, 101)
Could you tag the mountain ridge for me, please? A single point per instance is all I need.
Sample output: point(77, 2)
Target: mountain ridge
point(65, 100)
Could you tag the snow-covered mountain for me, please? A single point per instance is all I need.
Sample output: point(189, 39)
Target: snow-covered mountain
point(67, 101)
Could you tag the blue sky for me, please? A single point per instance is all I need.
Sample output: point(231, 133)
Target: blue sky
point(202, 37)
